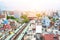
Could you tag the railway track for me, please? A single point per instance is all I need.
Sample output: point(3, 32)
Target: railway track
point(18, 33)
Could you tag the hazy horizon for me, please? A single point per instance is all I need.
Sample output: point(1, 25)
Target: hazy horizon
point(27, 5)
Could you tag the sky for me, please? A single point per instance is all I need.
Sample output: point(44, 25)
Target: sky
point(30, 5)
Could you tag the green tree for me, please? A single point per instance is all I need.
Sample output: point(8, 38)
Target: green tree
point(24, 16)
point(38, 15)
point(12, 17)
point(26, 19)
point(54, 19)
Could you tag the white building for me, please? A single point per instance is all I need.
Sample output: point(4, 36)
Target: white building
point(38, 28)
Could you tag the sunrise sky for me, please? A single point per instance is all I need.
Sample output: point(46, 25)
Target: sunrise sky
point(36, 5)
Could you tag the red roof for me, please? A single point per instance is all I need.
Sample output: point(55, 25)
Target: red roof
point(31, 18)
point(49, 37)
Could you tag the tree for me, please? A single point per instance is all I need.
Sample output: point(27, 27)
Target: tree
point(54, 19)
point(24, 16)
point(38, 15)
point(26, 19)
point(12, 17)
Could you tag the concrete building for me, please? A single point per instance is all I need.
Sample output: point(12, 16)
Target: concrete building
point(46, 21)
point(3, 14)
